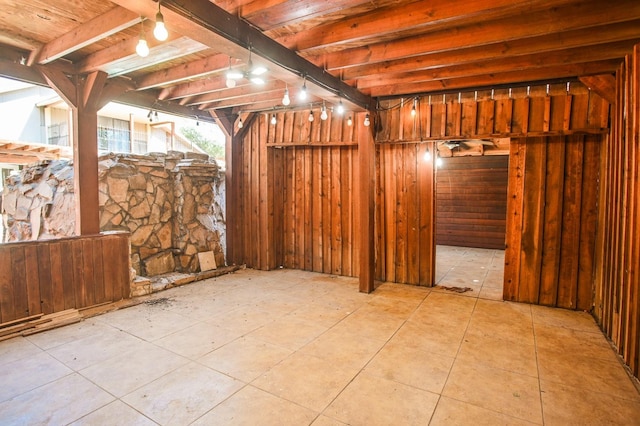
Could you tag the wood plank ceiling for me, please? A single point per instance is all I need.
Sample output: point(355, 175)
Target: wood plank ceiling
point(349, 50)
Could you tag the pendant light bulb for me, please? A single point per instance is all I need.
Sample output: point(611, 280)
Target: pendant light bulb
point(142, 48)
point(311, 116)
point(323, 114)
point(367, 121)
point(439, 162)
point(349, 121)
point(160, 31)
point(427, 155)
point(340, 109)
point(413, 108)
point(273, 119)
point(240, 123)
point(231, 83)
point(285, 99)
point(302, 94)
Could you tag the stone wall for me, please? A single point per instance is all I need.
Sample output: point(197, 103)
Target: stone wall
point(168, 202)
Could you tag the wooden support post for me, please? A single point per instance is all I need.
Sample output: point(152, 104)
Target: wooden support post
point(366, 202)
point(85, 96)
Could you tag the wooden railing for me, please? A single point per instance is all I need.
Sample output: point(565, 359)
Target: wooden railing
point(43, 277)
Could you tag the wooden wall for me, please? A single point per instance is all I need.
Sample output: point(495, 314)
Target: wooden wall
point(617, 282)
point(43, 277)
point(471, 201)
point(551, 220)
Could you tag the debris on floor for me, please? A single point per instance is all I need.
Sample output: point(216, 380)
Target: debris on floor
point(456, 289)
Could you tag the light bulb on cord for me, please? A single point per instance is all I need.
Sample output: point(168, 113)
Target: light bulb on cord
point(427, 155)
point(413, 108)
point(240, 123)
point(323, 114)
point(367, 121)
point(311, 116)
point(285, 99)
point(160, 31)
point(302, 94)
point(439, 162)
point(273, 119)
point(142, 48)
point(340, 108)
point(349, 122)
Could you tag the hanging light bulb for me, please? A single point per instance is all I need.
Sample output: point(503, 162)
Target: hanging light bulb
point(340, 109)
point(240, 123)
point(255, 70)
point(413, 108)
point(155, 115)
point(302, 94)
point(367, 121)
point(273, 119)
point(349, 122)
point(438, 162)
point(150, 116)
point(311, 116)
point(142, 48)
point(160, 31)
point(323, 114)
point(285, 99)
point(427, 155)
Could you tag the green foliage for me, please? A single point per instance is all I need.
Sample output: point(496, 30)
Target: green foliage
point(207, 145)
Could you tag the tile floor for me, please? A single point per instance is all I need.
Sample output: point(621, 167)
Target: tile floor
point(298, 348)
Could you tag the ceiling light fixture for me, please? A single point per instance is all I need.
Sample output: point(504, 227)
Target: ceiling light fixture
point(160, 31)
point(232, 76)
point(323, 114)
point(142, 48)
point(285, 99)
point(302, 94)
point(367, 121)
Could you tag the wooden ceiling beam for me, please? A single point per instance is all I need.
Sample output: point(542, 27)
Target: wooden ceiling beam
point(191, 70)
point(505, 30)
point(114, 21)
point(604, 85)
point(237, 92)
point(273, 97)
point(493, 80)
point(501, 65)
point(194, 88)
point(504, 50)
point(420, 16)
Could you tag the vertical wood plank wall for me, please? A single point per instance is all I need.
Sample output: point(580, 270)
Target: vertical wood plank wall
point(551, 221)
point(43, 277)
point(471, 201)
point(617, 282)
point(294, 189)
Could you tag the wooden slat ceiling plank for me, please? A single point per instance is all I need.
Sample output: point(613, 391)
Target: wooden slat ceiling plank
point(425, 15)
point(493, 80)
point(504, 50)
point(501, 65)
point(116, 20)
point(238, 92)
point(500, 31)
point(194, 88)
point(604, 85)
point(190, 70)
point(264, 96)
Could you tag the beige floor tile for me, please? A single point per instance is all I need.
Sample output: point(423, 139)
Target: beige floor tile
point(565, 405)
point(368, 325)
point(326, 421)
point(441, 340)
point(252, 406)
point(512, 394)
point(585, 343)
point(370, 400)
point(245, 358)
point(498, 353)
point(69, 333)
point(344, 349)
point(243, 319)
point(288, 333)
point(563, 318)
point(115, 414)
point(306, 380)
point(148, 322)
point(28, 373)
point(130, 370)
point(402, 292)
point(411, 366)
point(451, 412)
point(183, 395)
point(321, 314)
point(16, 349)
point(389, 307)
point(490, 293)
point(574, 370)
point(197, 340)
point(56, 403)
point(82, 353)
point(517, 332)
